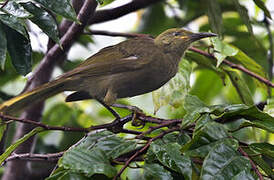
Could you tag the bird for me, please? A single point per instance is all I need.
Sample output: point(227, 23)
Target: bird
point(133, 67)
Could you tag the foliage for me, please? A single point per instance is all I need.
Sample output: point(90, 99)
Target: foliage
point(213, 120)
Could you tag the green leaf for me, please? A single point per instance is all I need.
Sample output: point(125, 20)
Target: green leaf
point(3, 47)
point(156, 171)
point(203, 150)
point(16, 10)
point(210, 132)
point(244, 15)
point(254, 117)
point(223, 162)
point(67, 175)
point(259, 161)
point(263, 148)
point(170, 156)
point(112, 145)
point(222, 50)
point(248, 62)
point(262, 6)
point(174, 92)
point(104, 2)
point(19, 49)
point(62, 7)
point(214, 14)
point(43, 20)
point(85, 161)
point(194, 106)
point(2, 129)
point(244, 175)
point(14, 23)
point(269, 107)
point(241, 87)
point(12, 147)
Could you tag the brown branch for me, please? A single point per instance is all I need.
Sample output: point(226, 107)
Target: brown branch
point(252, 163)
point(235, 66)
point(39, 124)
point(144, 149)
point(34, 157)
point(115, 34)
point(4, 4)
point(114, 13)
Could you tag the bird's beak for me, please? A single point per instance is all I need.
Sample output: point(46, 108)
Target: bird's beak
point(197, 36)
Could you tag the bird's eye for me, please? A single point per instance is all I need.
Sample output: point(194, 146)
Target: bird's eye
point(176, 34)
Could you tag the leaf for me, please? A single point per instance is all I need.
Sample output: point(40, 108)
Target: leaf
point(244, 16)
point(12, 147)
point(170, 156)
point(263, 148)
point(241, 87)
point(16, 10)
point(203, 150)
point(262, 6)
point(62, 7)
point(104, 2)
point(254, 117)
point(244, 175)
point(43, 20)
point(214, 14)
point(112, 145)
point(222, 50)
point(3, 47)
point(173, 93)
point(248, 62)
point(223, 162)
point(269, 107)
point(19, 49)
point(88, 162)
point(259, 161)
point(194, 106)
point(14, 23)
point(156, 171)
point(210, 132)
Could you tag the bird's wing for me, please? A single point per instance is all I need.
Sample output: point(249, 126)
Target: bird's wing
point(126, 56)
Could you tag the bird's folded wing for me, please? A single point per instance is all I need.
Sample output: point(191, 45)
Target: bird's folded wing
point(112, 60)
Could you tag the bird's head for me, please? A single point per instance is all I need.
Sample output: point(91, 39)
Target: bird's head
point(178, 40)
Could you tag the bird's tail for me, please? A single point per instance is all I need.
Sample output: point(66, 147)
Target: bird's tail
point(34, 96)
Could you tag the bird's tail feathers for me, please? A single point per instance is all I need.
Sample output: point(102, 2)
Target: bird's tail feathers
point(36, 95)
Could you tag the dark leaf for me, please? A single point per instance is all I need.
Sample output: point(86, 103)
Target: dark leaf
point(16, 10)
point(156, 171)
point(89, 162)
point(170, 156)
point(14, 23)
point(223, 162)
point(214, 14)
point(262, 6)
point(3, 47)
point(62, 7)
point(43, 20)
point(19, 49)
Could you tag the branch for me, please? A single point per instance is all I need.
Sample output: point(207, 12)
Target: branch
point(115, 34)
point(34, 157)
point(144, 149)
point(110, 14)
point(252, 163)
point(235, 66)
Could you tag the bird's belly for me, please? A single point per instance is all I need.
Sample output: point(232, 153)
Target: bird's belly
point(137, 83)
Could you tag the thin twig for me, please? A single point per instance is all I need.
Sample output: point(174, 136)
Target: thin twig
point(143, 149)
point(252, 163)
point(4, 4)
point(235, 66)
point(34, 157)
point(39, 124)
point(115, 34)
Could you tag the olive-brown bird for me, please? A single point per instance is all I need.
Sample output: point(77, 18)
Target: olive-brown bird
point(132, 67)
